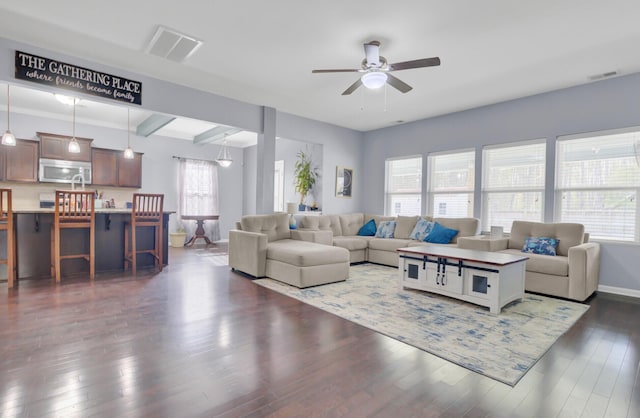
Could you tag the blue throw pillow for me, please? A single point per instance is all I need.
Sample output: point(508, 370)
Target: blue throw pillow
point(441, 234)
point(421, 230)
point(386, 229)
point(540, 245)
point(368, 229)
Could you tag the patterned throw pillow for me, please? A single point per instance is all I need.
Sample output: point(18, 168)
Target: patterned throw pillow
point(441, 234)
point(368, 229)
point(421, 230)
point(540, 245)
point(386, 229)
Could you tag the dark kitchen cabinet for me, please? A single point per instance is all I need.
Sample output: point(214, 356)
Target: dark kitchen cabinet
point(20, 163)
point(57, 147)
point(104, 167)
point(110, 168)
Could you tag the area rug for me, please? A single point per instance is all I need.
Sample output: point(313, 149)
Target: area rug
point(503, 347)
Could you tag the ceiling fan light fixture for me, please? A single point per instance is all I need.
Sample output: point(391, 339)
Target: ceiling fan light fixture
point(374, 79)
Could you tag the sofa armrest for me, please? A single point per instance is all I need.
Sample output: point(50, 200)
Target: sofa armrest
point(584, 270)
point(481, 243)
point(248, 252)
point(320, 237)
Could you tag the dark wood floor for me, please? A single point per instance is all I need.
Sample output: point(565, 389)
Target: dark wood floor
point(200, 340)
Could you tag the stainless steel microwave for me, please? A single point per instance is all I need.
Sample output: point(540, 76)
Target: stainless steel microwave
point(62, 171)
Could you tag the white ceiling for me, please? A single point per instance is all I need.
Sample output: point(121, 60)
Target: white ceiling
point(263, 52)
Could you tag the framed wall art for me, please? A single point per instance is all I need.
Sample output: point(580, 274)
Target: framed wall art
point(344, 181)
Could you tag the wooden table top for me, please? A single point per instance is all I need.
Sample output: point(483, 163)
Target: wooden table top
point(486, 257)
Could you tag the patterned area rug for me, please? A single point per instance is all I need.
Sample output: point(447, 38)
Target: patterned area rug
point(502, 347)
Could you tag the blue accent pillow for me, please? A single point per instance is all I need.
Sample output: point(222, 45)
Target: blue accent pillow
point(540, 245)
point(368, 229)
point(386, 229)
point(440, 234)
point(421, 230)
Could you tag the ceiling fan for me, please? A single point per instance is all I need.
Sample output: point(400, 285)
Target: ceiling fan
point(377, 71)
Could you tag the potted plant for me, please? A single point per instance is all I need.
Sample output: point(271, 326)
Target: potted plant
point(305, 176)
point(178, 238)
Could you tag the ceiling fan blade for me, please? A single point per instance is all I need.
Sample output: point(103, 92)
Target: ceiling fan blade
point(352, 88)
point(372, 53)
point(398, 84)
point(338, 70)
point(406, 65)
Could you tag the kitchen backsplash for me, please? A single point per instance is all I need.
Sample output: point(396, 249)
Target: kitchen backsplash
point(27, 196)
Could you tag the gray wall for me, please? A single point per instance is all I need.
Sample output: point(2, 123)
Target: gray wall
point(287, 150)
point(602, 105)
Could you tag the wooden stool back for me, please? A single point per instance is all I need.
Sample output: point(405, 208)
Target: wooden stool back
point(73, 209)
point(6, 224)
point(146, 211)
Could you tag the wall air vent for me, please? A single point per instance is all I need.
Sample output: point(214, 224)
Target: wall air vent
point(603, 75)
point(172, 45)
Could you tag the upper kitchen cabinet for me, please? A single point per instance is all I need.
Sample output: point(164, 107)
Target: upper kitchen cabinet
point(57, 147)
point(110, 168)
point(20, 162)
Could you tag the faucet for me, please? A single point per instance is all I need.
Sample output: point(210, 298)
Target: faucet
point(79, 177)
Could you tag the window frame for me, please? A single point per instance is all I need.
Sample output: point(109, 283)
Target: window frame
point(431, 209)
point(388, 194)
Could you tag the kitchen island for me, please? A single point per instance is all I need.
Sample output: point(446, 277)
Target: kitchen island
point(33, 240)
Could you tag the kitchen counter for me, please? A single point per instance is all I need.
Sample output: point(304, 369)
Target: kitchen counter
point(33, 239)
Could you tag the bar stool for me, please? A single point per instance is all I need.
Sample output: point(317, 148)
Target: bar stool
point(73, 210)
point(145, 212)
point(6, 224)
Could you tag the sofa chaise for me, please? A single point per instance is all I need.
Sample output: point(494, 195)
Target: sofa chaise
point(572, 273)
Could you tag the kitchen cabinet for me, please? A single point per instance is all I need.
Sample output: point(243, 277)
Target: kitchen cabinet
point(110, 168)
point(57, 147)
point(104, 167)
point(20, 163)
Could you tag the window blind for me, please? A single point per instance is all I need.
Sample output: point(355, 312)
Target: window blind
point(451, 183)
point(403, 194)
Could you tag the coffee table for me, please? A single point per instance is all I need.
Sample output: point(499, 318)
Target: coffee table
point(481, 277)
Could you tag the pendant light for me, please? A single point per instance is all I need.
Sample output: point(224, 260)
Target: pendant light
point(224, 157)
point(74, 146)
point(8, 138)
point(128, 153)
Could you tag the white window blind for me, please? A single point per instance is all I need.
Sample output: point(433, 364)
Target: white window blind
point(598, 182)
point(451, 183)
point(403, 194)
point(513, 183)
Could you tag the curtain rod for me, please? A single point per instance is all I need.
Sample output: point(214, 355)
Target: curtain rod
point(195, 159)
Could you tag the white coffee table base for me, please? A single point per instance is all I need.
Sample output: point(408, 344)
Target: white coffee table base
point(480, 277)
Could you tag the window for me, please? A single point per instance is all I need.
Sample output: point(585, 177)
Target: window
point(598, 182)
point(198, 194)
point(404, 186)
point(451, 183)
point(513, 183)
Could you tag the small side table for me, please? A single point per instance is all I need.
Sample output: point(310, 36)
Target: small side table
point(199, 227)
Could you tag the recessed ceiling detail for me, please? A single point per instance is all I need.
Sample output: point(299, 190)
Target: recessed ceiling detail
point(172, 45)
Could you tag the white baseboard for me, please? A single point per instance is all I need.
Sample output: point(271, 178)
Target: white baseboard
point(619, 291)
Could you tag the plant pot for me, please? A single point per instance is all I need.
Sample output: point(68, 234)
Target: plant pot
point(302, 208)
point(177, 239)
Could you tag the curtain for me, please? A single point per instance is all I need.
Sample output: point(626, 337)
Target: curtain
point(198, 195)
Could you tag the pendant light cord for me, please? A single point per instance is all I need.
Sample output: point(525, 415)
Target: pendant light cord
point(128, 128)
point(74, 119)
point(8, 107)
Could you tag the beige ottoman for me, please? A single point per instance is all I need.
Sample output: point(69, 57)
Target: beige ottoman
point(304, 264)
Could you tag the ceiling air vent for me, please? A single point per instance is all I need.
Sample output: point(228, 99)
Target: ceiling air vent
point(603, 75)
point(172, 45)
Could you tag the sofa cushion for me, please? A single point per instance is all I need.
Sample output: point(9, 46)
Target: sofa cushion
point(569, 234)
point(322, 223)
point(388, 244)
point(305, 254)
point(404, 226)
point(351, 223)
point(467, 227)
point(351, 243)
point(546, 264)
point(378, 218)
point(421, 230)
point(368, 229)
point(275, 226)
point(540, 245)
point(441, 234)
point(386, 229)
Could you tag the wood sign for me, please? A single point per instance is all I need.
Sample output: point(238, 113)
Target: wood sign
point(59, 74)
